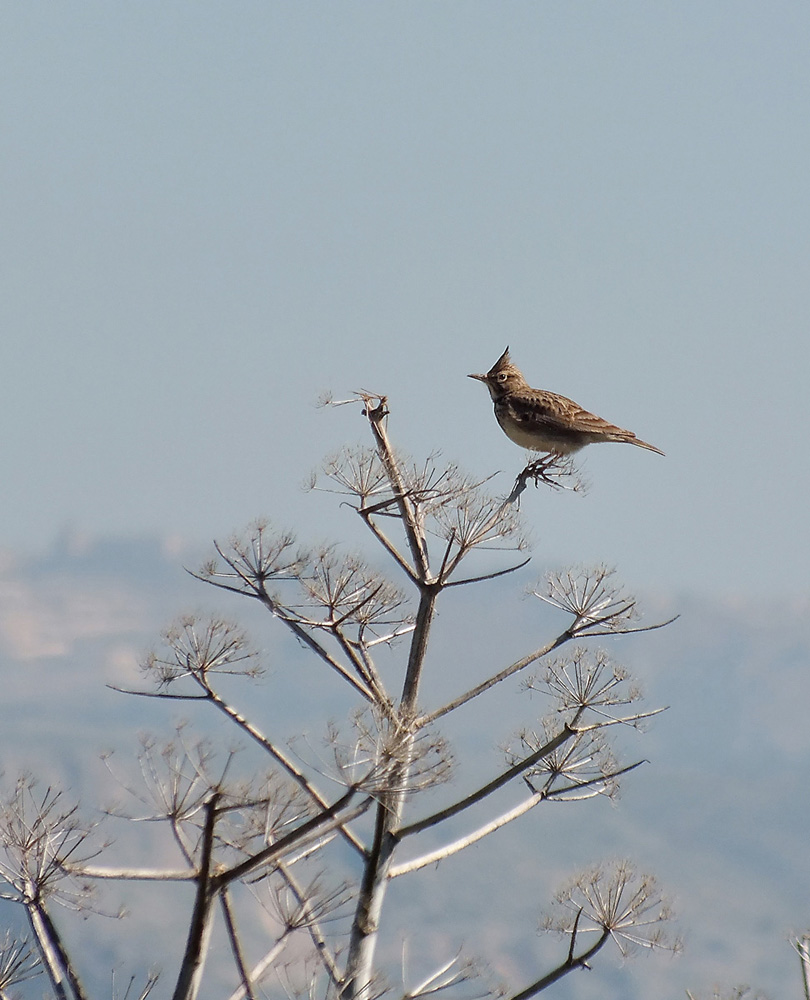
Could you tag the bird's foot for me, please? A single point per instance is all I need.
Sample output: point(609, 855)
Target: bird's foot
point(551, 469)
point(543, 470)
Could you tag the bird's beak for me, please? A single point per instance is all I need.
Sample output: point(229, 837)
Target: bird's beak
point(481, 378)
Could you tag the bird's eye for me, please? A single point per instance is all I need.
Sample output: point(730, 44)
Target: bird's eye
point(502, 376)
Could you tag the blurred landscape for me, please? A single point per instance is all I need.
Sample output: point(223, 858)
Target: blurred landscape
point(719, 812)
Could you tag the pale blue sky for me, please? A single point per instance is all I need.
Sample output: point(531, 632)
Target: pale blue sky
point(213, 212)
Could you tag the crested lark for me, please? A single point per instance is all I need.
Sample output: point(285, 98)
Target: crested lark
point(543, 421)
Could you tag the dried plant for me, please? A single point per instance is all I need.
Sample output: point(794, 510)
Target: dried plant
point(615, 903)
point(180, 777)
point(19, 962)
point(199, 650)
point(394, 759)
point(131, 990)
point(343, 595)
point(727, 993)
point(802, 946)
point(590, 690)
point(469, 518)
point(465, 976)
point(580, 767)
point(597, 603)
point(357, 472)
point(41, 837)
point(254, 560)
point(267, 831)
point(300, 907)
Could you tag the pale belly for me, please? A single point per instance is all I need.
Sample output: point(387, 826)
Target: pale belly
point(539, 440)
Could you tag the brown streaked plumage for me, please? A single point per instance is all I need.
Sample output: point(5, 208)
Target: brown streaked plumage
point(542, 420)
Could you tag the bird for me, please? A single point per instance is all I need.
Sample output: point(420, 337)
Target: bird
point(543, 421)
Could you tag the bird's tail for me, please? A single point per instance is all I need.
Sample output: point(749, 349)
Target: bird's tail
point(632, 439)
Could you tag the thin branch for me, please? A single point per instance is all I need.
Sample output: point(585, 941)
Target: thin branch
point(236, 950)
point(157, 694)
point(258, 591)
point(194, 956)
point(133, 874)
point(574, 930)
point(419, 643)
point(311, 846)
point(572, 962)
point(185, 849)
point(443, 571)
point(471, 838)
point(556, 793)
point(415, 537)
point(451, 974)
point(803, 948)
point(586, 630)
point(605, 720)
point(52, 949)
point(283, 760)
point(313, 927)
point(365, 513)
point(301, 633)
point(518, 665)
point(315, 827)
point(260, 968)
point(366, 669)
point(521, 809)
point(388, 639)
point(489, 576)
point(469, 800)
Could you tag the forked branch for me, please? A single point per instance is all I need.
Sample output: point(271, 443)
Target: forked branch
point(565, 734)
point(414, 531)
point(572, 961)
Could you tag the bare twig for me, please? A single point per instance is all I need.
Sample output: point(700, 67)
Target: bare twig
point(571, 962)
point(18, 963)
point(236, 948)
point(447, 850)
point(311, 921)
point(194, 957)
point(414, 532)
point(469, 800)
point(802, 945)
point(514, 668)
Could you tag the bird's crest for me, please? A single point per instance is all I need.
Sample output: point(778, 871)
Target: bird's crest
point(505, 364)
point(504, 361)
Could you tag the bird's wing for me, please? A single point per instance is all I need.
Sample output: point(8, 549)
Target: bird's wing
point(546, 411)
point(549, 410)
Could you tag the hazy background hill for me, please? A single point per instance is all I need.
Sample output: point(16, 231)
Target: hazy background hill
point(720, 812)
